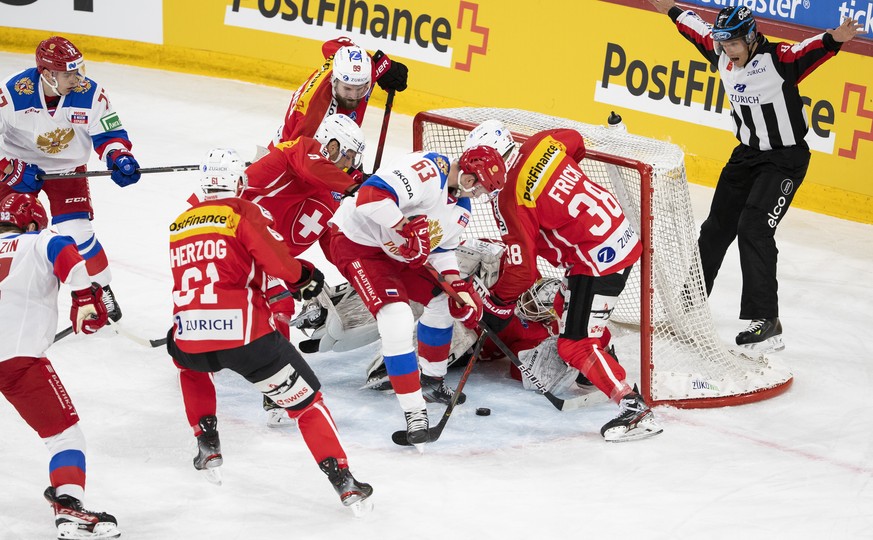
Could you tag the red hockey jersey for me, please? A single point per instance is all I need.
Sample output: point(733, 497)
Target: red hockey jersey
point(300, 188)
point(220, 254)
point(551, 209)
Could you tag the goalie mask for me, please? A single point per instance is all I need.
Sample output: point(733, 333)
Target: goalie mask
point(348, 135)
point(537, 304)
point(223, 174)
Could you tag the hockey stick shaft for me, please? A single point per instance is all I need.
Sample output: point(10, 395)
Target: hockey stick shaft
point(88, 174)
point(389, 102)
point(154, 343)
point(554, 400)
point(63, 333)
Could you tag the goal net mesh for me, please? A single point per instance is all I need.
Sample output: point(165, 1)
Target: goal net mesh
point(682, 360)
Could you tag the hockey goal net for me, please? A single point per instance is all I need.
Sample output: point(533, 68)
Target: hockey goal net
point(682, 360)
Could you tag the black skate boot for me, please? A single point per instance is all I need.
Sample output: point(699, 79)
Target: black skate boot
point(208, 457)
point(73, 521)
point(762, 335)
point(434, 390)
point(352, 493)
point(417, 425)
point(635, 420)
point(378, 379)
point(111, 304)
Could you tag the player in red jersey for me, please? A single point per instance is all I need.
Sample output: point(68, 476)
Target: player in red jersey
point(549, 208)
point(342, 84)
point(222, 251)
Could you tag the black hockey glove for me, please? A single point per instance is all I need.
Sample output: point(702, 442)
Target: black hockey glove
point(390, 74)
point(311, 282)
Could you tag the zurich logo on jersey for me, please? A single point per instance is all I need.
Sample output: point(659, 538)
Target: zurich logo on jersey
point(606, 255)
point(740, 88)
point(754, 64)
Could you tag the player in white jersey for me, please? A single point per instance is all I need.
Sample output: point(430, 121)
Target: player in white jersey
point(33, 260)
point(411, 212)
point(51, 116)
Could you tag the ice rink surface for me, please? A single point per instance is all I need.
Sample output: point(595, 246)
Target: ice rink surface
point(797, 466)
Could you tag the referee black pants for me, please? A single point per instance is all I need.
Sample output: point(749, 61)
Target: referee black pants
point(752, 196)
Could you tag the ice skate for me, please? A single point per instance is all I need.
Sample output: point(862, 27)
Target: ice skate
point(276, 415)
point(378, 380)
point(208, 457)
point(417, 425)
point(354, 494)
point(74, 522)
point(112, 308)
point(762, 336)
point(635, 421)
point(434, 390)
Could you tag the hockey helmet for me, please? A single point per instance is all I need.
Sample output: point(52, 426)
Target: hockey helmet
point(59, 54)
point(537, 304)
point(352, 65)
point(348, 134)
point(486, 164)
point(223, 174)
point(732, 23)
point(22, 209)
point(494, 134)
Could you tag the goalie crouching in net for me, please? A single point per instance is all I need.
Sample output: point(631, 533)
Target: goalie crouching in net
point(550, 208)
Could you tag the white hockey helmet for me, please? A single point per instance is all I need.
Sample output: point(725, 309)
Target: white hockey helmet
point(343, 130)
point(496, 135)
point(223, 174)
point(352, 65)
point(537, 304)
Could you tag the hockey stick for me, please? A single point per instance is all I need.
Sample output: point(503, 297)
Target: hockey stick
point(388, 104)
point(560, 404)
point(399, 437)
point(121, 331)
point(88, 174)
point(63, 333)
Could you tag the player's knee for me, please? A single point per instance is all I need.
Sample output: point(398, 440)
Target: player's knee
point(577, 352)
point(80, 230)
point(288, 388)
point(302, 408)
point(395, 322)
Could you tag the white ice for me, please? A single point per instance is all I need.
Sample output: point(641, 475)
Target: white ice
point(796, 466)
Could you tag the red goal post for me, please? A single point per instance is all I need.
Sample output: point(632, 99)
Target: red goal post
point(682, 361)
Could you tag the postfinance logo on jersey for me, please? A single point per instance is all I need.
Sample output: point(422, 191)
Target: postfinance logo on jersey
point(536, 171)
point(205, 220)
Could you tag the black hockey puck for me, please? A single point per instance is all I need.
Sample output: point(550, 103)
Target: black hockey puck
point(483, 411)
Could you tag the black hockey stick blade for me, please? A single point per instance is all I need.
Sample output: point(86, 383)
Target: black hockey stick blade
point(399, 437)
point(63, 333)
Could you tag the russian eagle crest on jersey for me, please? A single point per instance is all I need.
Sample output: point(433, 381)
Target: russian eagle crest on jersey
point(61, 141)
point(415, 184)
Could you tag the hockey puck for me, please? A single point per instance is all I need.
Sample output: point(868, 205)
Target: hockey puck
point(483, 411)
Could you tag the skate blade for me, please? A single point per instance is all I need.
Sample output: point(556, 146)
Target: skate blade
point(644, 429)
point(380, 385)
point(104, 529)
point(362, 507)
point(774, 344)
point(213, 475)
point(278, 418)
point(419, 447)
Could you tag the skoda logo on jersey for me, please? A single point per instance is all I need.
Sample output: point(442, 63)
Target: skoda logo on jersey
point(787, 186)
point(740, 88)
point(606, 255)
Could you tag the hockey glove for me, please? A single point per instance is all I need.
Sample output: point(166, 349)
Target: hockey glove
point(391, 75)
point(281, 305)
point(416, 232)
point(358, 177)
point(470, 312)
point(125, 169)
point(497, 314)
point(310, 283)
point(88, 312)
point(24, 178)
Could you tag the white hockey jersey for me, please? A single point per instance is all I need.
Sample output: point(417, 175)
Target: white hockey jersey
point(57, 143)
point(413, 185)
point(31, 264)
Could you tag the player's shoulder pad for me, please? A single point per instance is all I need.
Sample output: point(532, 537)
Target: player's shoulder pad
point(83, 95)
point(23, 89)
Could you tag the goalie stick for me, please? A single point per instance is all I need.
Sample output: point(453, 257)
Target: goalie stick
point(399, 437)
point(560, 404)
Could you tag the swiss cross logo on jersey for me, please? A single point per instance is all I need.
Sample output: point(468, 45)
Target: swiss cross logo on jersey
point(310, 222)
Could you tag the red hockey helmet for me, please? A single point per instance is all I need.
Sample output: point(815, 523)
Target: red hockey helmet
point(58, 54)
point(487, 164)
point(22, 209)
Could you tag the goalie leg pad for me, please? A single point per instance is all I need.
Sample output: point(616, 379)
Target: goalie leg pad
point(546, 365)
point(599, 366)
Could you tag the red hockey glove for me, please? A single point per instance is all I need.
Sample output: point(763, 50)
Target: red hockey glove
point(470, 312)
point(23, 178)
point(416, 231)
point(281, 304)
point(310, 283)
point(88, 313)
point(497, 313)
point(390, 74)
